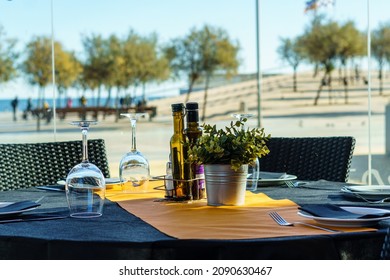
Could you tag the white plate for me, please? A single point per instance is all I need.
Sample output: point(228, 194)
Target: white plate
point(112, 180)
point(3, 204)
point(375, 192)
point(268, 182)
point(337, 222)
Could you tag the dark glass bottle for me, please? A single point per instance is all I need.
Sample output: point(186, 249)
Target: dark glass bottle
point(181, 170)
point(193, 132)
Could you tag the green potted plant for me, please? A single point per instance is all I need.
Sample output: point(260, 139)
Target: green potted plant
point(225, 154)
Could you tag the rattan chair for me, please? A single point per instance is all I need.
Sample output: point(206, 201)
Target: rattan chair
point(35, 164)
point(310, 158)
point(385, 253)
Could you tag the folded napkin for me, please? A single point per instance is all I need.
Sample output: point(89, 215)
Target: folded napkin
point(271, 175)
point(19, 206)
point(334, 211)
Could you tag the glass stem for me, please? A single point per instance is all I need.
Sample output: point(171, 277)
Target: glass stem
point(84, 132)
point(133, 137)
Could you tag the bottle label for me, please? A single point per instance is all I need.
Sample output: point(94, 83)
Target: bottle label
point(199, 175)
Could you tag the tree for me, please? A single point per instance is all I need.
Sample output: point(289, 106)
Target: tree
point(184, 55)
point(97, 64)
point(352, 45)
point(321, 47)
point(38, 67)
point(143, 62)
point(8, 57)
point(67, 69)
point(380, 48)
point(218, 54)
point(154, 66)
point(202, 53)
point(291, 50)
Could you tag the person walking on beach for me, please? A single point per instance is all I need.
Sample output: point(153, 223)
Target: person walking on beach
point(83, 101)
point(28, 109)
point(14, 104)
point(69, 103)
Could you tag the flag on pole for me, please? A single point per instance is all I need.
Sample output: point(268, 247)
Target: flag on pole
point(311, 5)
point(315, 4)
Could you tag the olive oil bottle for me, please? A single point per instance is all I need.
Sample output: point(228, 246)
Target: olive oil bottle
point(181, 169)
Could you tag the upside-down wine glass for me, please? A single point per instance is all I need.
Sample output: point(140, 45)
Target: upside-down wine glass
point(134, 169)
point(253, 168)
point(85, 184)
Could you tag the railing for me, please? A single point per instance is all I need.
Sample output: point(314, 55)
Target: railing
point(94, 112)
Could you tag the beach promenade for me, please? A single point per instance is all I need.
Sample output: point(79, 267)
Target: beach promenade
point(284, 113)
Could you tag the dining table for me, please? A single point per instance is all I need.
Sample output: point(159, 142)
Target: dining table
point(147, 226)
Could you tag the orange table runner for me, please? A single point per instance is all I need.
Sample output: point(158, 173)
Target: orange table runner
point(197, 220)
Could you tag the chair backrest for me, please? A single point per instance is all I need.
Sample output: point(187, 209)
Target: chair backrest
point(310, 158)
point(34, 164)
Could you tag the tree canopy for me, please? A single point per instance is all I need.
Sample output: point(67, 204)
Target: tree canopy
point(201, 53)
point(8, 57)
point(326, 44)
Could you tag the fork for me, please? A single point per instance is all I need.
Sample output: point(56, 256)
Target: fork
point(282, 222)
point(290, 184)
point(39, 199)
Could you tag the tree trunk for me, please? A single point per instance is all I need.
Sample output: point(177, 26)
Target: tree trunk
point(345, 82)
point(143, 93)
point(315, 73)
point(98, 95)
point(323, 81)
point(380, 79)
point(329, 88)
point(40, 107)
point(295, 79)
point(191, 85)
point(108, 97)
point(205, 96)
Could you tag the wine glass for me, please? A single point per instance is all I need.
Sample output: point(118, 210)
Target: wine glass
point(253, 168)
point(85, 184)
point(134, 170)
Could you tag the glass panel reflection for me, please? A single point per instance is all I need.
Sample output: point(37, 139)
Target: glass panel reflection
point(110, 58)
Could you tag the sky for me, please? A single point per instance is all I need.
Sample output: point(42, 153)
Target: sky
point(72, 19)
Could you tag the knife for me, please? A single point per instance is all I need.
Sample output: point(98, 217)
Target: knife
point(33, 218)
point(57, 188)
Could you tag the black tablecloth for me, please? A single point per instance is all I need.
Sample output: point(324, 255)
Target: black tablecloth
point(120, 235)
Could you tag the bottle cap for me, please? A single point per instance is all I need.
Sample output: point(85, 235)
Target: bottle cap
point(192, 106)
point(192, 112)
point(177, 107)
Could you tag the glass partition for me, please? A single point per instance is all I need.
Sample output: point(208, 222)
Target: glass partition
point(89, 37)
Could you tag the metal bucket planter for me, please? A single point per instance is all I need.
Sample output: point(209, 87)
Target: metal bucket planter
point(224, 186)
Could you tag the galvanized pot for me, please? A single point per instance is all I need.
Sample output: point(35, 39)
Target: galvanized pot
point(224, 186)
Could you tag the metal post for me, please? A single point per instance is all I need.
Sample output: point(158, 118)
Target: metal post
point(258, 76)
point(369, 92)
point(387, 129)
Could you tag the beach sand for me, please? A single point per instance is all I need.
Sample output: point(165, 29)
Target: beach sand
point(283, 113)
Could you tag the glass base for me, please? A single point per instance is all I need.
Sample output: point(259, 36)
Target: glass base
point(85, 215)
point(128, 187)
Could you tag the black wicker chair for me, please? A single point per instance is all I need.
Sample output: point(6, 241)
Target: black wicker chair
point(34, 164)
point(385, 253)
point(310, 158)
